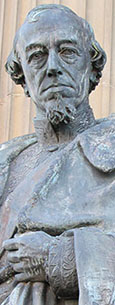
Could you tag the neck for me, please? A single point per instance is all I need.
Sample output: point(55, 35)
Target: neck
point(61, 133)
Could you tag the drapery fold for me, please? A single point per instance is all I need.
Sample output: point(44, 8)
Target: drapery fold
point(95, 264)
point(29, 294)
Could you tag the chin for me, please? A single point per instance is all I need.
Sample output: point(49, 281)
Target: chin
point(60, 110)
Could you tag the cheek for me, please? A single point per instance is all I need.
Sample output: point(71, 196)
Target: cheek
point(79, 69)
point(78, 74)
point(31, 79)
point(83, 64)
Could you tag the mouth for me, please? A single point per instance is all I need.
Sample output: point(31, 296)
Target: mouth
point(56, 87)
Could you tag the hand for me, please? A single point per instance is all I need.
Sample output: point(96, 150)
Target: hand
point(28, 254)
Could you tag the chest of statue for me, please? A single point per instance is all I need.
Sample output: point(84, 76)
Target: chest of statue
point(61, 193)
point(58, 190)
point(66, 190)
point(67, 187)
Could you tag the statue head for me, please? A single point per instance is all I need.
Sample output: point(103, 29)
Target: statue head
point(57, 60)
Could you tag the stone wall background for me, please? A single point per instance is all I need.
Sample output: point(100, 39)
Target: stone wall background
point(16, 111)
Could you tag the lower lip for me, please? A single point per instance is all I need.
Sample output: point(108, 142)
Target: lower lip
point(57, 88)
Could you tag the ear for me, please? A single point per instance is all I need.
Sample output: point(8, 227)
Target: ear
point(94, 79)
point(14, 69)
point(98, 60)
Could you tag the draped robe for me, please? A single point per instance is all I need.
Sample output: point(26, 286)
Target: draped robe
point(54, 189)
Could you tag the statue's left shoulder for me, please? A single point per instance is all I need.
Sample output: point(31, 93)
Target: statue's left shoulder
point(98, 144)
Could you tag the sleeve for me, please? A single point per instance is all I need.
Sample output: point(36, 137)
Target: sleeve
point(61, 272)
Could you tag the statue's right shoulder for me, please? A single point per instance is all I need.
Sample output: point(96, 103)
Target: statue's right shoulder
point(8, 152)
point(16, 145)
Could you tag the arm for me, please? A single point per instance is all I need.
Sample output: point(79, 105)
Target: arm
point(37, 256)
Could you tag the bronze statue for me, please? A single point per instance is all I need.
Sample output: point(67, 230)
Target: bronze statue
point(58, 185)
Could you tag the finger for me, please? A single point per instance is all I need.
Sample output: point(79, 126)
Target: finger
point(19, 267)
point(11, 244)
point(58, 114)
point(13, 257)
point(22, 277)
point(69, 115)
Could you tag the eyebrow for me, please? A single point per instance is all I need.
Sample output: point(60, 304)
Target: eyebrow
point(34, 46)
point(58, 42)
point(62, 41)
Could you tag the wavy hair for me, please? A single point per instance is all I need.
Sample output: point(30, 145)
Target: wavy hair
point(97, 54)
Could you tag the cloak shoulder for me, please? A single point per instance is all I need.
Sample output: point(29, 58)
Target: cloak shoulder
point(98, 144)
point(8, 151)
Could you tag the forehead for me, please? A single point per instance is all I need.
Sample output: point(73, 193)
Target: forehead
point(51, 26)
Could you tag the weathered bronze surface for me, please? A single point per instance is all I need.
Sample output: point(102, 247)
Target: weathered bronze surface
point(57, 186)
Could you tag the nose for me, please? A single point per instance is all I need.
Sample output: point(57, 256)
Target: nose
point(53, 66)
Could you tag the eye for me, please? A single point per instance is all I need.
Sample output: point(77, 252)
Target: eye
point(38, 56)
point(67, 52)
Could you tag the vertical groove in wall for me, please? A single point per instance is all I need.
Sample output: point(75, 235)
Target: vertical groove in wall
point(12, 85)
point(21, 106)
point(78, 6)
point(85, 10)
point(107, 42)
point(2, 13)
point(2, 114)
point(95, 16)
point(112, 67)
point(8, 31)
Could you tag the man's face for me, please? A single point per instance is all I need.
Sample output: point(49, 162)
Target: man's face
point(55, 62)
